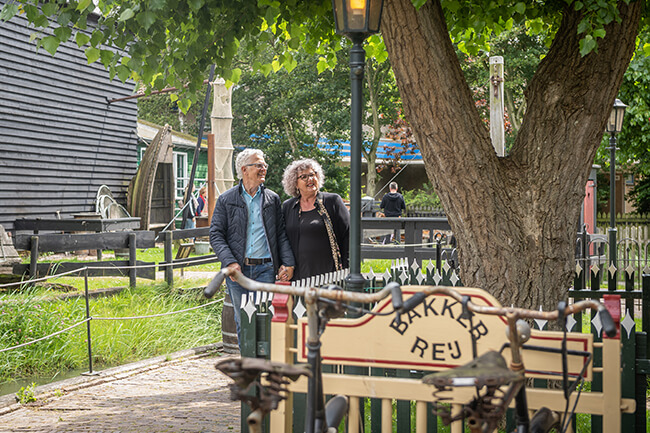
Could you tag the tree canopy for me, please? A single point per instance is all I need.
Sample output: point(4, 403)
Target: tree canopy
point(513, 217)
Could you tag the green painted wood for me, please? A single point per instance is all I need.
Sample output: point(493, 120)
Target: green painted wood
point(403, 410)
point(628, 374)
point(641, 382)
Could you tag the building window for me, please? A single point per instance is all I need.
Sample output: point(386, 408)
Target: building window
point(629, 180)
point(180, 172)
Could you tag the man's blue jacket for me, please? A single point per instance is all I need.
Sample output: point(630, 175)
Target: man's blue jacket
point(229, 223)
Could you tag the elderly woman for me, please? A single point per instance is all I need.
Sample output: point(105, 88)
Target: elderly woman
point(317, 223)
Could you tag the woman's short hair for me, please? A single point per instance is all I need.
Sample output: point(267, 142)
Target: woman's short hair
point(244, 158)
point(290, 177)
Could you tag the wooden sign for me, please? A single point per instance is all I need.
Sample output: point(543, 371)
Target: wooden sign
point(433, 337)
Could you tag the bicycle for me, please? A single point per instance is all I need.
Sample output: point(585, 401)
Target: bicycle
point(324, 304)
point(321, 305)
point(490, 372)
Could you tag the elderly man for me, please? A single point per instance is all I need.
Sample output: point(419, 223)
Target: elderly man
point(247, 231)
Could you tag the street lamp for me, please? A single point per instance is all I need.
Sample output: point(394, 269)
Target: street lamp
point(356, 19)
point(614, 126)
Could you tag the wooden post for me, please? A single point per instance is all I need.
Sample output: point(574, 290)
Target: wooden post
point(33, 258)
point(212, 177)
point(132, 260)
point(497, 131)
point(169, 259)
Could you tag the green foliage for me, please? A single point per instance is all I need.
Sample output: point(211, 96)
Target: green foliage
point(522, 51)
point(641, 195)
point(26, 394)
point(164, 109)
point(173, 42)
point(424, 197)
point(286, 114)
point(27, 316)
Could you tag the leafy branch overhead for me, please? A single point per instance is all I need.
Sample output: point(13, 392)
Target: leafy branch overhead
point(164, 43)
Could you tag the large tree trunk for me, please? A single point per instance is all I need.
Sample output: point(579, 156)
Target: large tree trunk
point(515, 218)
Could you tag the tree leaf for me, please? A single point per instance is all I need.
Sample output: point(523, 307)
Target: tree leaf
point(83, 4)
point(92, 54)
point(196, 4)
point(236, 75)
point(127, 14)
point(63, 33)
point(646, 49)
point(520, 8)
point(321, 66)
point(146, 19)
point(106, 57)
point(157, 4)
point(123, 73)
point(184, 105)
point(81, 39)
point(50, 43)
point(587, 45)
point(8, 11)
point(96, 38)
point(49, 9)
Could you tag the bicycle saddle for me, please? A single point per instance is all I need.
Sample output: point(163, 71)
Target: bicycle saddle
point(489, 369)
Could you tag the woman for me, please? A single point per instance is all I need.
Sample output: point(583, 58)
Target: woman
point(317, 223)
point(202, 208)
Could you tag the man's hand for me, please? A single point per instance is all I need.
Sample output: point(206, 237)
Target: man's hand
point(234, 266)
point(285, 273)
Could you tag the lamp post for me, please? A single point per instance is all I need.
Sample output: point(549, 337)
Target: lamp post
point(614, 126)
point(356, 19)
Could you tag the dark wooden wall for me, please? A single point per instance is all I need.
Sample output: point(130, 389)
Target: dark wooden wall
point(60, 140)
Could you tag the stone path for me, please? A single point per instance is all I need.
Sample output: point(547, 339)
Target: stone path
point(182, 395)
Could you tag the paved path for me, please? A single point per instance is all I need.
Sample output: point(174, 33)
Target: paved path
point(181, 395)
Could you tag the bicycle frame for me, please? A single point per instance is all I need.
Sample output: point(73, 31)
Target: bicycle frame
point(315, 416)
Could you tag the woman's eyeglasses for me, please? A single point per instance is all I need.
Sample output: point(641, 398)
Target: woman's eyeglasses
point(307, 176)
point(259, 165)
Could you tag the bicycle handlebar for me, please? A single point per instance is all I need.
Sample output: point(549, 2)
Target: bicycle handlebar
point(403, 307)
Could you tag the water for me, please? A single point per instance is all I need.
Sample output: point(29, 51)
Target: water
point(13, 386)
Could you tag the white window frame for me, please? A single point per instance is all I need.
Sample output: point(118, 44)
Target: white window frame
point(180, 182)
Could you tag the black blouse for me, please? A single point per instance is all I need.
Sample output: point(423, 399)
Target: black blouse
point(308, 236)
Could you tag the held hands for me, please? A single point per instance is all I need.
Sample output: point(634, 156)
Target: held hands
point(234, 266)
point(285, 273)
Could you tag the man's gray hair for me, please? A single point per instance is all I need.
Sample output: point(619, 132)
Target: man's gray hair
point(290, 177)
point(244, 158)
point(393, 186)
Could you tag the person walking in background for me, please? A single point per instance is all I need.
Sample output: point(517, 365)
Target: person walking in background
point(318, 223)
point(190, 211)
point(202, 208)
point(393, 202)
point(247, 232)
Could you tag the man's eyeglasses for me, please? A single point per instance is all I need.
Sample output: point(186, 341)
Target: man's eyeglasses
point(307, 176)
point(259, 165)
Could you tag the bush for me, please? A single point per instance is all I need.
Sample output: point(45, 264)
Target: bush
point(424, 197)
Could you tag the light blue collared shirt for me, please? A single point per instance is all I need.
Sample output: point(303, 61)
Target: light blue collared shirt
point(256, 244)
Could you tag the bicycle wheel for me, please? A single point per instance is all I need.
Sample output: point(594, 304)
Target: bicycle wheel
point(545, 420)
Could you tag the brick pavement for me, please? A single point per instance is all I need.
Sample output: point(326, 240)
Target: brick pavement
point(182, 395)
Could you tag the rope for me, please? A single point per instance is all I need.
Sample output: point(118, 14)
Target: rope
point(36, 280)
point(46, 337)
point(108, 318)
point(169, 313)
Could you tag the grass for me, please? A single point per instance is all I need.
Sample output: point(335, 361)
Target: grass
point(33, 314)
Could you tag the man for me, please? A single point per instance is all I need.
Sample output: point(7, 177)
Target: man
point(393, 202)
point(247, 230)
